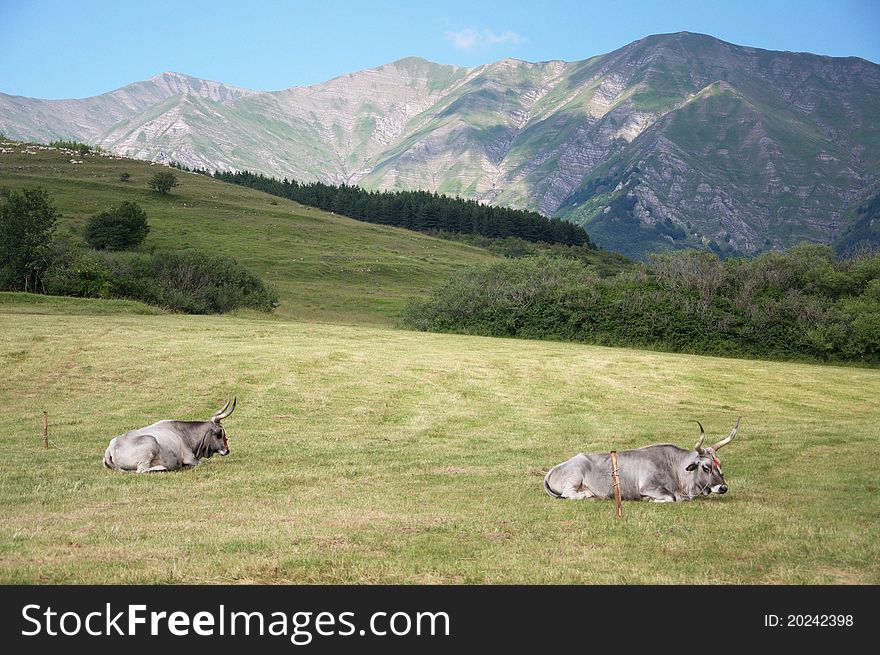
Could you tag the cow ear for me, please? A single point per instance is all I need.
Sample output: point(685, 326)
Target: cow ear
point(691, 467)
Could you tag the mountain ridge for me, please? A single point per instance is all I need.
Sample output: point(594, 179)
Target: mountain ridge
point(671, 141)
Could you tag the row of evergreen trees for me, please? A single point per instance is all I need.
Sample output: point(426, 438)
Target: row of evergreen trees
point(418, 210)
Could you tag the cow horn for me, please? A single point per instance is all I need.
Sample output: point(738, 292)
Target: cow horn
point(699, 446)
point(729, 437)
point(223, 412)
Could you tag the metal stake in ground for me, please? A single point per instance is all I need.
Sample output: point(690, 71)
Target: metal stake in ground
point(46, 430)
point(615, 481)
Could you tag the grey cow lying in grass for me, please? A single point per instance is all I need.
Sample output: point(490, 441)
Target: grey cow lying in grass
point(169, 445)
point(661, 472)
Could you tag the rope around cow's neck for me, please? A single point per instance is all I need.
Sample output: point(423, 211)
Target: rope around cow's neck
point(700, 492)
point(202, 448)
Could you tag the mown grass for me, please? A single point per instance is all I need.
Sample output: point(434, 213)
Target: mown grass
point(326, 267)
point(368, 455)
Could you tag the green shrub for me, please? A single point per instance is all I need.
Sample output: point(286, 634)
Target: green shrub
point(803, 304)
point(515, 297)
point(82, 148)
point(85, 274)
point(199, 283)
point(119, 228)
point(163, 182)
point(185, 281)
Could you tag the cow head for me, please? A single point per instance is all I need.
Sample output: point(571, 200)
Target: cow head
point(215, 440)
point(706, 468)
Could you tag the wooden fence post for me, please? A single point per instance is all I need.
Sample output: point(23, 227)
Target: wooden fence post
point(615, 480)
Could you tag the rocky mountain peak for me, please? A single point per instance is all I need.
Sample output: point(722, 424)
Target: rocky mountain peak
point(172, 83)
point(672, 141)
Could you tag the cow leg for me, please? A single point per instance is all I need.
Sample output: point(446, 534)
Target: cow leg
point(150, 466)
point(152, 462)
point(577, 492)
point(659, 495)
point(140, 454)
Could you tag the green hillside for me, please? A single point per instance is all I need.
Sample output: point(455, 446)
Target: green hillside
point(325, 267)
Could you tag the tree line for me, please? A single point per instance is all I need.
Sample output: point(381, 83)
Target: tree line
point(422, 211)
point(805, 304)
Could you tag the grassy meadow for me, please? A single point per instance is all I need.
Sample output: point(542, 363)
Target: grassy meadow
point(367, 454)
point(370, 455)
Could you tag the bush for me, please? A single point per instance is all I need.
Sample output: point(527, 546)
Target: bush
point(804, 304)
point(540, 297)
point(199, 283)
point(86, 275)
point(188, 281)
point(119, 228)
point(82, 148)
point(163, 181)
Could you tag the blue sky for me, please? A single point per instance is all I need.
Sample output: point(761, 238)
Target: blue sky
point(78, 48)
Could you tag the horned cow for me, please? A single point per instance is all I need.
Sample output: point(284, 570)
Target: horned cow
point(169, 445)
point(660, 472)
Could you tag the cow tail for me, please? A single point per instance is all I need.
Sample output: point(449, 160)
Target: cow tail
point(547, 487)
point(108, 459)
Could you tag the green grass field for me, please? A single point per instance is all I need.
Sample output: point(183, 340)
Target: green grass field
point(368, 455)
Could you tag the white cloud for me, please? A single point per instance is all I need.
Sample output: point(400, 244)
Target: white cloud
point(471, 39)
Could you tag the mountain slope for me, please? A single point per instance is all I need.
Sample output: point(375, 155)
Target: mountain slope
point(774, 148)
point(671, 141)
point(30, 119)
point(327, 268)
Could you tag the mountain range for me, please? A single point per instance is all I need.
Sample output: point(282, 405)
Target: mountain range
point(672, 141)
